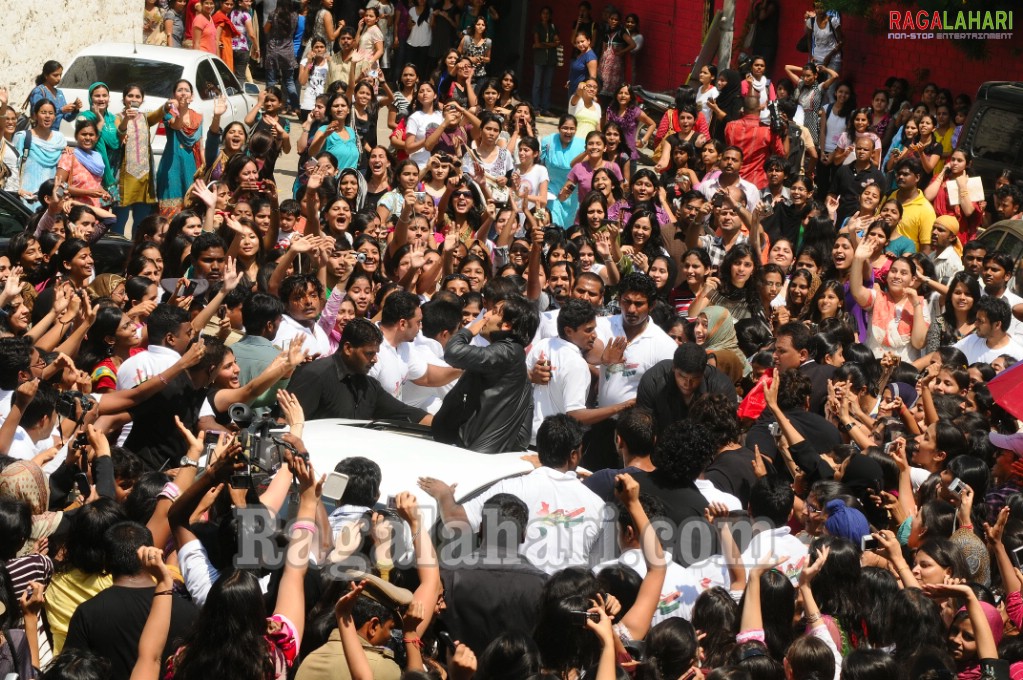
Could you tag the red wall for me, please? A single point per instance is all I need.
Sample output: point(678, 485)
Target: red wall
point(672, 34)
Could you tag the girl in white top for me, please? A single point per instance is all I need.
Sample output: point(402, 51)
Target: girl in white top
point(708, 76)
point(583, 105)
point(422, 124)
point(531, 179)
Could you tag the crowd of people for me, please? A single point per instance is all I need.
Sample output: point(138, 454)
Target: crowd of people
point(745, 346)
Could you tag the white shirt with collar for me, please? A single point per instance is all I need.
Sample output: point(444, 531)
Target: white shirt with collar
point(548, 327)
point(396, 366)
point(620, 382)
point(682, 585)
point(316, 341)
point(141, 367)
point(570, 380)
point(710, 187)
point(565, 518)
point(427, 398)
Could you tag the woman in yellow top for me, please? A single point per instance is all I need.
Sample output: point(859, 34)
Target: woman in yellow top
point(135, 175)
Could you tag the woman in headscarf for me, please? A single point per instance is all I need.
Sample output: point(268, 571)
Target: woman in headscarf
point(728, 104)
point(108, 286)
point(714, 330)
point(24, 481)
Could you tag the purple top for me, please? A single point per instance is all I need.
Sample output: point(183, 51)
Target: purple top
point(582, 175)
point(856, 312)
point(628, 123)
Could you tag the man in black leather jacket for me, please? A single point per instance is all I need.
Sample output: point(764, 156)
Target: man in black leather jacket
point(494, 397)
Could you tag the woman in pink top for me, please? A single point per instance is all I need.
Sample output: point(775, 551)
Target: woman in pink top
point(205, 34)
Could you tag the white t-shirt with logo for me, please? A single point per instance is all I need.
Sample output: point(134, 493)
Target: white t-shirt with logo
point(397, 365)
point(777, 543)
point(620, 382)
point(566, 519)
point(570, 380)
point(682, 585)
point(314, 86)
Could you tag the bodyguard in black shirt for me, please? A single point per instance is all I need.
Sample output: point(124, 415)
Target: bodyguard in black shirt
point(338, 387)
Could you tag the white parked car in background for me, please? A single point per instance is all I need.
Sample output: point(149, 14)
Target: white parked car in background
point(156, 70)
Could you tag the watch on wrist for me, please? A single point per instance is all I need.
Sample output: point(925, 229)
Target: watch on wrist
point(188, 462)
point(849, 426)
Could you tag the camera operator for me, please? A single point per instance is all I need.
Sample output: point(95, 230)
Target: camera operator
point(756, 141)
point(800, 148)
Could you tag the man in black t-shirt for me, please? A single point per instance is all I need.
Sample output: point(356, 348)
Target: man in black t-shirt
point(110, 624)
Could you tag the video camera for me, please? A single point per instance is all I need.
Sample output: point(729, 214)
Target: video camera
point(262, 452)
point(69, 401)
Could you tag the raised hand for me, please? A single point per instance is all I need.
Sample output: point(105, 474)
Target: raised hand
point(614, 351)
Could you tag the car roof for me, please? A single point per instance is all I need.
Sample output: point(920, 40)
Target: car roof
point(170, 55)
point(403, 459)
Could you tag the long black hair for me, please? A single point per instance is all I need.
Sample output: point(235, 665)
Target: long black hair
point(234, 611)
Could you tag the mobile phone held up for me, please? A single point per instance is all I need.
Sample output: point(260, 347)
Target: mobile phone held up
point(334, 486)
point(579, 618)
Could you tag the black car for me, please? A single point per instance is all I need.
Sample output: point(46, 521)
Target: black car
point(109, 254)
point(993, 132)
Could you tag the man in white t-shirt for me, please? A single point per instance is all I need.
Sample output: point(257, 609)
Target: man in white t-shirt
point(770, 501)
point(682, 585)
point(303, 301)
point(399, 361)
point(441, 318)
point(990, 339)
point(639, 344)
point(568, 523)
point(569, 382)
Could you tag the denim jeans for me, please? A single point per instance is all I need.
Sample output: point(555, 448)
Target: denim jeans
point(542, 76)
point(287, 75)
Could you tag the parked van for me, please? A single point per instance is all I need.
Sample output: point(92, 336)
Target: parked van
point(993, 132)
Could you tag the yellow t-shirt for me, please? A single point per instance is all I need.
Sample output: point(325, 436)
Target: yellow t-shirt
point(66, 591)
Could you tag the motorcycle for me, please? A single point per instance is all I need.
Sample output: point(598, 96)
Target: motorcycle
point(654, 103)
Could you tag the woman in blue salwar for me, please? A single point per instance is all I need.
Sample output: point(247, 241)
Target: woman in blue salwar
point(557, 151)
point(46, 88)
point(182, 156)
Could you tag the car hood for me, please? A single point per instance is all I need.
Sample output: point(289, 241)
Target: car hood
point(403, 459)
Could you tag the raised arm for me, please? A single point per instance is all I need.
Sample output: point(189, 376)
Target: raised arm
point(640, 615)
point(291, 593)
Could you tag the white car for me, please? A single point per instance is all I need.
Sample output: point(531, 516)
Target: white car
point(156, 70)
point(403, 459)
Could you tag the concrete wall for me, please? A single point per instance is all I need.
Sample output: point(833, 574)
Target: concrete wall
point(37, 32)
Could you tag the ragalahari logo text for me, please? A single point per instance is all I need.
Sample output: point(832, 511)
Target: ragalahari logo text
point(945, 25)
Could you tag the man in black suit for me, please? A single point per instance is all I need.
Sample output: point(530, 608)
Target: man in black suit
point(791, 350)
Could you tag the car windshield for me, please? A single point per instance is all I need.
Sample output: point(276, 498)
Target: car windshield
point(157, 78)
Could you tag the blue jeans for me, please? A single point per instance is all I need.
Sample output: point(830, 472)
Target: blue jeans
point(542, 76)
point(288, 76)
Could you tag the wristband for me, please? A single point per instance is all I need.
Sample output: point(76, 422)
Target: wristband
point(170, 491)
point(413, 641)
point(163, 592)
point(966, 526)
point(303, 524)
point(162, 379)
point(813, 618)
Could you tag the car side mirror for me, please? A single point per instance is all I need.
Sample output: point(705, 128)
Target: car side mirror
point(252, 89)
